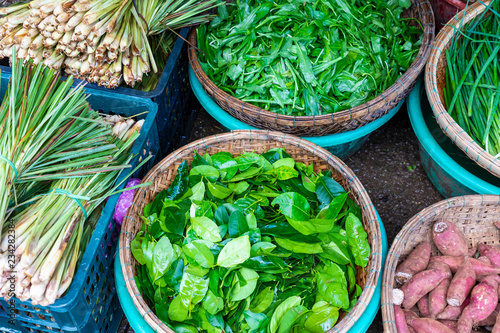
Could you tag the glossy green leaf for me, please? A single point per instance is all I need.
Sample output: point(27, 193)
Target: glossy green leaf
point(200, 253)
point(293, 205)
point(245, 285)
point(237, 224)
point(205, 228)
point(235, 252)
point(262, 301)
point(163, 257)
point(332, 285)
point(207, 171)
point(291, 317)
point(212, 303)
point(322, 319)
point(299, 247)
point(357, 240)
point(327, 189)
point(312, 226)
point(218, 191)
point(280, 311)
point(283, 172)
point(198, 192)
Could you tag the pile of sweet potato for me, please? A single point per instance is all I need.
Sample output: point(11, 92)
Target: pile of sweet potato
point(457, 291)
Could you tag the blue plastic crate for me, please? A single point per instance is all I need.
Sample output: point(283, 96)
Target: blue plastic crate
point(91, 304)
point(171, 95)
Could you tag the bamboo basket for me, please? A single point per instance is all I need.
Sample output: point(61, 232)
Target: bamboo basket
point(435, 81)
point(257, 141)
point(473, 214)
point(346, 120)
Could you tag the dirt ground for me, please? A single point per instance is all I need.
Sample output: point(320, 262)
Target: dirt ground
point(389, 167)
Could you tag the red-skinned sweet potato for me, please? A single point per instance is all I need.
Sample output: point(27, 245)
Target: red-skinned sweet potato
point(421, 284)
point(453, 312)
point(427, 325)
point(437, 298)
point(409, 315)
point(461, 284)
point(423, 306)
point(490, 321)
point(400, 319)
point(449, 240)
point(481, 268)
point(416, 262)
point(449, 323)
point(483, 301)
point(491, 252)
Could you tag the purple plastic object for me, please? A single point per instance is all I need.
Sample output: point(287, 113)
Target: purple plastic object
point(125, 201)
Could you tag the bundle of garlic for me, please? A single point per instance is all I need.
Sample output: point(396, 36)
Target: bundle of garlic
point(100, 41)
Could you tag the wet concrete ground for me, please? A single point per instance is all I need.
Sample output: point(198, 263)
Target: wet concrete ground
point(389, 167)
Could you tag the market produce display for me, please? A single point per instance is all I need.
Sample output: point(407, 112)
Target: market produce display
point(250, 243)
point(106, 42)
point(454, 291)
point(305, 58)
point(59, 161)
point(472, 91)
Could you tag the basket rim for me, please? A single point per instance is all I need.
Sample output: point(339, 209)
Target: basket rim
point(447, 124)
point(411, 75)
point(368, 209)
point(393, 254)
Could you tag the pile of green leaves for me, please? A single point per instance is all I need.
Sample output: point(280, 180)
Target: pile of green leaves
point(308, 57)
point(472, 91)
point(252, 243)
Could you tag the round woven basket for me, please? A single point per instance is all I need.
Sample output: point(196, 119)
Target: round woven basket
point(341, 121)
point(473, 214)
point(236, 143)
point(435, 81)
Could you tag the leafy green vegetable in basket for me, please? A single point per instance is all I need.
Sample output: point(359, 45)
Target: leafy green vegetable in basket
point(472, 91)
point(307, 58)
point(251, 243)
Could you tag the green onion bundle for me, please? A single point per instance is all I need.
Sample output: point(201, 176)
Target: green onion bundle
point(59, 161)
point(472, 91)
point(101, 41)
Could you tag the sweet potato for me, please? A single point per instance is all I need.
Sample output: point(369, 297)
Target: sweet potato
point(397, 296)
point(423, 306)
point(437, 298)
point(400, 319)
point(421, 284)
point(449, 323)
point(491, 252)
point(449, 240)
point(453, 312)
point(416, 262)
point(427, 325)
point(497, 224)
point(409, 315)
point(490, 321)
point(485, 259)
point(481, 268)
point(483, 301)
point(461, 284)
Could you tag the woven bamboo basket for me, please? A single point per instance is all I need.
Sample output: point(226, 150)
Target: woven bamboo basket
point(435, 81)
point(473, 214)
point(257, 141)
point(337, 122)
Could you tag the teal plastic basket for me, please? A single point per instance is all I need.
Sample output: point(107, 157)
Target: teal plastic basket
point(91, 304)
point(139, 325)
point(343, 145)
point(451, 171)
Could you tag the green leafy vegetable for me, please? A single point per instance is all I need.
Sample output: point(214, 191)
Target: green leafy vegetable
point(242, 245)
point(308, 58)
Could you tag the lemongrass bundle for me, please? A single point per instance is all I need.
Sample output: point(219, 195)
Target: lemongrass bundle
point(60, 161)
point(101, 41)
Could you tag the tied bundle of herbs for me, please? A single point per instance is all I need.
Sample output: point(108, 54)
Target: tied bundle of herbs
point(305, 58)
point(251, 243)
point(59, 160)
point(472, 91)
point(101, 41)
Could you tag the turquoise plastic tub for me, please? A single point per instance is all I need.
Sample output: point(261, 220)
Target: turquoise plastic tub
point(139, 325)
point(448, 168)
point(343, 145)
